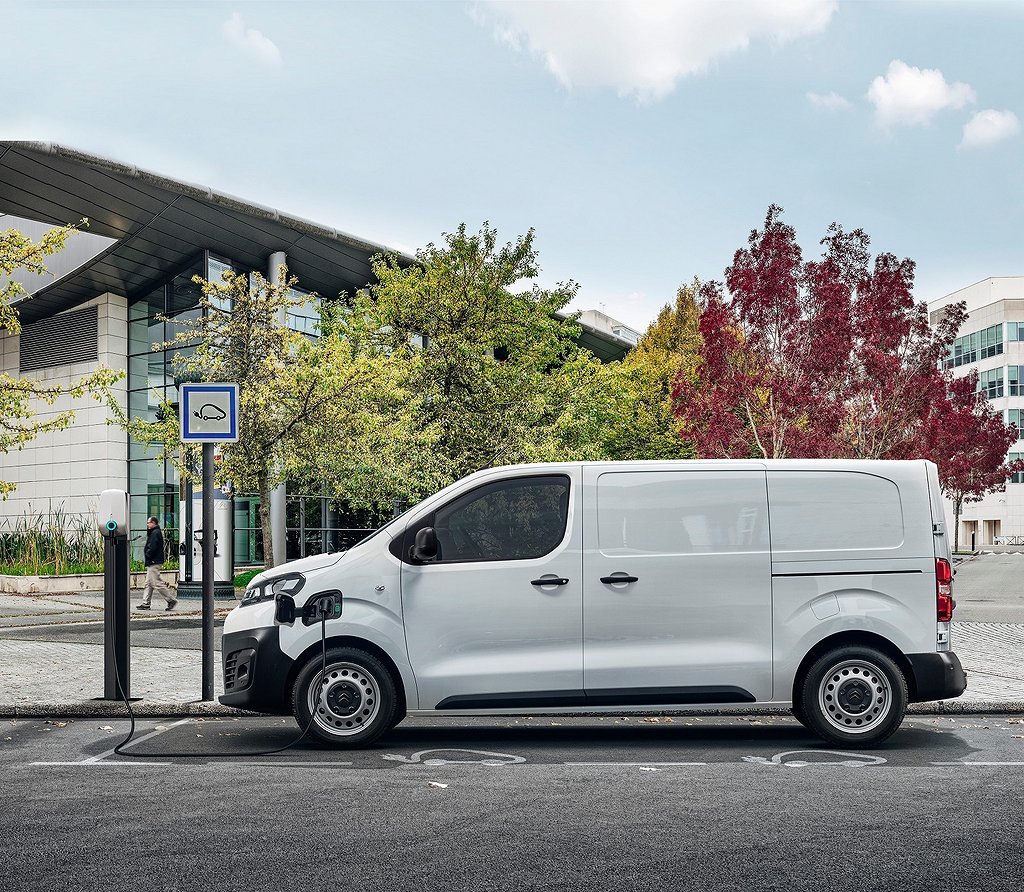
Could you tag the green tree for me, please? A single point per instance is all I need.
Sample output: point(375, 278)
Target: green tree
point(669, 349)
point(299, 397)
point(21, 397)
point(498, 377)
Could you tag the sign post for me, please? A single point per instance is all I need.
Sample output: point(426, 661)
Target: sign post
point(209, 414)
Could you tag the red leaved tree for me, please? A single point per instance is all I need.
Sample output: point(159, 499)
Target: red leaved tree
point(968, 441)
point(829, 358)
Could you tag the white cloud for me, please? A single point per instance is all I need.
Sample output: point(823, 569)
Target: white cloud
point(828, 101)
point(908, 95)
point(250, 41)
point(643, 49)
point(989, 126)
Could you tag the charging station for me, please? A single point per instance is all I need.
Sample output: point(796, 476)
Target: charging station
point(112, 519)
point(190, 554)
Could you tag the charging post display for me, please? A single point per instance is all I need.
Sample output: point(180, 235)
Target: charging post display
point(209, 415)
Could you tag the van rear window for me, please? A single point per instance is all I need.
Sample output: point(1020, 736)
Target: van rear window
point(833, 510)
point(682, 512)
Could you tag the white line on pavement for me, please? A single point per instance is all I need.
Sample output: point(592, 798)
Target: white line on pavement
point(977, 763)
point(101, 764)
point(309, 764)
point(137, 741)
point(98, 760)
point(633, 764)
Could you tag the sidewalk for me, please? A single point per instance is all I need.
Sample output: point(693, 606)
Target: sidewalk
point(44, 671)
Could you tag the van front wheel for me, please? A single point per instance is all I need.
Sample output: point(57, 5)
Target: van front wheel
point(349, 705)
point(854, 696)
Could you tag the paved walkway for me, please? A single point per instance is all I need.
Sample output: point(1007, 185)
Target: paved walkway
point(47, 677)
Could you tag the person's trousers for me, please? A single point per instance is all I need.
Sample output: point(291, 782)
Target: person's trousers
point(154, 583)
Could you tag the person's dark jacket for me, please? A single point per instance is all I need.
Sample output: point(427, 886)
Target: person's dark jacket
point(154, 550)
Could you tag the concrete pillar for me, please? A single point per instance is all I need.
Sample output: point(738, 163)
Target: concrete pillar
point(278, 495)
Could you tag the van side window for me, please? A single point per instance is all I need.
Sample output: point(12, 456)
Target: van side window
point(509, 520)
point(682, 512)
point(834, 510)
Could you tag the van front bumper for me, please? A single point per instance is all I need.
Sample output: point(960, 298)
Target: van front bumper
point(937, 676)
point(256, 671)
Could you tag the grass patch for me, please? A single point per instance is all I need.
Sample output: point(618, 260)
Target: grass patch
point(243, 579)
point(72, 569)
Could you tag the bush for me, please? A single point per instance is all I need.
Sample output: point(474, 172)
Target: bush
point(56, 544)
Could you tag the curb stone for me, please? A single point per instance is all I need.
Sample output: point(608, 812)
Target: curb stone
point(106, 709)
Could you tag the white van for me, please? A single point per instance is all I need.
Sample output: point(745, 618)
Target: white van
point(824, 586)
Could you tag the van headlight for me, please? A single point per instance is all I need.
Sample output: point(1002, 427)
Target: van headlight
point(268, 589)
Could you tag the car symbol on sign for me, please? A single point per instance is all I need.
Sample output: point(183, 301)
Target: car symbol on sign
point(210, 412)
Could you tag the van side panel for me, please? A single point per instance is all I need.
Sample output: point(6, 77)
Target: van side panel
point(691, 617)
point(851, 551)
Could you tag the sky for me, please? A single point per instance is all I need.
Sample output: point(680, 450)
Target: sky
point(642, 141)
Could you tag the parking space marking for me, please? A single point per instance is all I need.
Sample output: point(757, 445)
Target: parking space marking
point(307, 764)
point(98, 760)
point(849, 760)
point(977, 763)
point(492, 759)
point(90, 764)
point(635, 764)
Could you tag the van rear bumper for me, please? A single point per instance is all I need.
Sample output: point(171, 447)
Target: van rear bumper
point(937, 676)
point(255, 671)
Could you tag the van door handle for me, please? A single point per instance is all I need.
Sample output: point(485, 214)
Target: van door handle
point(613, 579)
point(551, 580)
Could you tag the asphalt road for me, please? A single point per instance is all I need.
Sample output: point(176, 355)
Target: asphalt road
point(988, 588)
point(513, 804)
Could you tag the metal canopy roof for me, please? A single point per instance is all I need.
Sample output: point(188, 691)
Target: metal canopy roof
point(159, 224)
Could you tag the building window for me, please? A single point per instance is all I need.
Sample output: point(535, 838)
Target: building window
point(1013, 417)
point(1015, 331)
point(990, 382)
point(1013, 380)
point(975, 346)
point(305, 317)
point(1019, 476)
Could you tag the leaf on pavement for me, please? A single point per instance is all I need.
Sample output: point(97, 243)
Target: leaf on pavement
point(106, 728)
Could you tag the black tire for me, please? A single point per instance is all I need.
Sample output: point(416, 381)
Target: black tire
point(798, 713)
point(853, 696)
point(357, 703)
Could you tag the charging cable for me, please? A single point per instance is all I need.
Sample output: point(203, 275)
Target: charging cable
point(324, 608)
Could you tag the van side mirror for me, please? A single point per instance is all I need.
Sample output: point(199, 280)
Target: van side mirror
point(425, 548)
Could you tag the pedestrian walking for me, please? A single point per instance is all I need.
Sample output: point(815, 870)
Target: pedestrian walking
point(153, 554)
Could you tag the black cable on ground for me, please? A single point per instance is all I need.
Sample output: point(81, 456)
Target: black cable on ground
point(131, 732)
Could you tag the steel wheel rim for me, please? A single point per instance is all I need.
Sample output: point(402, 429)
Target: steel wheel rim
point(344, 700)
point(855, 696)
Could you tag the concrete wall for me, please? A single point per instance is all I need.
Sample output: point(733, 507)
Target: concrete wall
point(68, 469)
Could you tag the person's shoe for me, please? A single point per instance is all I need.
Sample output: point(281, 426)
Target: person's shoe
point(142, 607)
point(172, 604)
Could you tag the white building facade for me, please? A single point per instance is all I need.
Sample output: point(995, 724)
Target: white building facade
point(991, 343)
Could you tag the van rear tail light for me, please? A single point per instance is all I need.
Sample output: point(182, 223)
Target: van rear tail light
point(944, 602)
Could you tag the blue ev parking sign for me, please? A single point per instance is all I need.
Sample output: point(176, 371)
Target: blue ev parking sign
point(209, 413)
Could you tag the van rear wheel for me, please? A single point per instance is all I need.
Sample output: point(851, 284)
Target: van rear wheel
point(349, 705)
point(854, 696)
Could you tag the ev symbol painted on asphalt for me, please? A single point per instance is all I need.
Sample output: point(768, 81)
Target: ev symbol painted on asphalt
point(851, 760)
point(209, 413)
point(493, 759)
